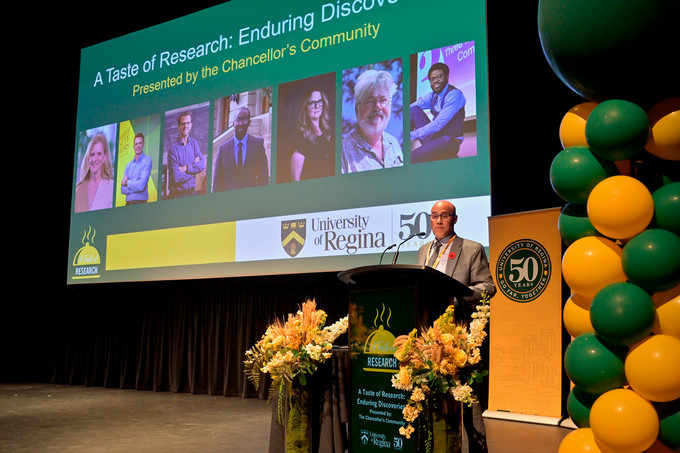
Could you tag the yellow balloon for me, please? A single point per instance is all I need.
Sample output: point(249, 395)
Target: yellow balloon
point(573, 125)
point(620, 207)
point(653, 368)
point(662, 297)
point(668, 318)
point(581, 300)
point(576, 319)
point(591, 263)
point(664, 134)
point(579, 441)
point(624, 421)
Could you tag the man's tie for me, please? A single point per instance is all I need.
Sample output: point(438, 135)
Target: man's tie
point(240, 155)
point(435, 253)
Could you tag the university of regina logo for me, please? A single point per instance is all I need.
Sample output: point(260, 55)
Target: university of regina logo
point(293, 234)
point(523, 270)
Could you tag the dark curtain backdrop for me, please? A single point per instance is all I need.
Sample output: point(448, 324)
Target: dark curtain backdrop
point(178, 336)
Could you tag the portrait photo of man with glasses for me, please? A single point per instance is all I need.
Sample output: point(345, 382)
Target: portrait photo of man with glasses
point(443, 110)
point(369, 146)
point(443, 133)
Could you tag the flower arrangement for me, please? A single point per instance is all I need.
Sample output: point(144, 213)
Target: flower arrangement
point(440, 362)
point(291, 351)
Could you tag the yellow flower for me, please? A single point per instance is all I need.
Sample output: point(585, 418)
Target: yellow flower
point(410, 413)
point(418, 394)
point(459, 358)
point(447, 338)
point(402, 379)
point(406, 431)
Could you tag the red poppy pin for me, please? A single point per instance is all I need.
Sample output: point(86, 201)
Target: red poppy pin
point(452, 255)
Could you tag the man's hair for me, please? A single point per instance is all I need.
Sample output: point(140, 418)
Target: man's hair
point(441, 66)
point(139, 135)
point(243, 108)
point(188, 113)
point(373, 79)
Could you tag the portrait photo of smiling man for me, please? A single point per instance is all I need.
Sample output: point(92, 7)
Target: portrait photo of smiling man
point(241, 161)
point(443, 111)
point(369, 146)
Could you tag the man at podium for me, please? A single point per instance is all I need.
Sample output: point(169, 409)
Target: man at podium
point(465, 261)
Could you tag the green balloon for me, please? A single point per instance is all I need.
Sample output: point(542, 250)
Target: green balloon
point(669, 430)
point(617, 130)
point(667, 207)
point(576, 170)
point(651, 260)
point(595, 365)
point(573, 223)
point(579, 404)
point(622, 313)
point(591, 45)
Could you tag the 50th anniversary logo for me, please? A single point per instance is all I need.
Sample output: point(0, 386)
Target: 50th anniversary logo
point(523, 270)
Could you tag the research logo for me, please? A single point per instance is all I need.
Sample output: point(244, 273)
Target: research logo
point(86, 262)
point(523, 271)
point(379, 346)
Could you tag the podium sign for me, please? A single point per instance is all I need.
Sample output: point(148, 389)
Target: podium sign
point(386, 302)
point(377, 318)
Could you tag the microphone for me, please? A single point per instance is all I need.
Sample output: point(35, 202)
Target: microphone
point(383, 253)
point(422, 234)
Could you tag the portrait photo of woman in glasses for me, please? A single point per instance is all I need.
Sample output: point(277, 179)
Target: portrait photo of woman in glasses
point(306, 129)
point(314, 153)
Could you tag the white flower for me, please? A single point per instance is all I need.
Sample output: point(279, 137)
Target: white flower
point(330, 333)
point(315, 351)
point(462, 393)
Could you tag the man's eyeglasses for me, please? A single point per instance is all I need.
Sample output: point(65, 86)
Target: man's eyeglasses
point(444, 216)
point(437, 77)
point(315, 104)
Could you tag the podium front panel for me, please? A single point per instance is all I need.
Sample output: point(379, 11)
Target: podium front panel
point(377, 317)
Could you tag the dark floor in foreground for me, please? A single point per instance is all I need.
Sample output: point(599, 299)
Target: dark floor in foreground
point(50, 418)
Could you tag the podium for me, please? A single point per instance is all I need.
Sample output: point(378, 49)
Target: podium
point(386, 301)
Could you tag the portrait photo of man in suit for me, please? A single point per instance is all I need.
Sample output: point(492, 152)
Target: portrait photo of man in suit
point(241, 161)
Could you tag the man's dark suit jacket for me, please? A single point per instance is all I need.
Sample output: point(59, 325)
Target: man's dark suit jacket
point(254, 172)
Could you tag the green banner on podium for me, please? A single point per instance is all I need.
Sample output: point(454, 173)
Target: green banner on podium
point(378, 317)
point(387, 301)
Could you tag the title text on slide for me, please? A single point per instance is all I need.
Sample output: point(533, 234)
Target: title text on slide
point(231, 65)
point(246, 35)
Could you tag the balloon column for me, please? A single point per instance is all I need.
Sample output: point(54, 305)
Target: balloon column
point(618, 173)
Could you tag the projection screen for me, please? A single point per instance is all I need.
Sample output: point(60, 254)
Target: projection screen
point(157, 193)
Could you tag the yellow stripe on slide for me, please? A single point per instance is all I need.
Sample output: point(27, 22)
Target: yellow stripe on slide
point(201, 244)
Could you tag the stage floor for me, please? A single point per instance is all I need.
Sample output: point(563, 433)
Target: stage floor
point(51, 418)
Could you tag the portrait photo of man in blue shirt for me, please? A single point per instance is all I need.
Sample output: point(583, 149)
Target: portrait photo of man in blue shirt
point(185, 160)
point(439, 135)
point(135, 182)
